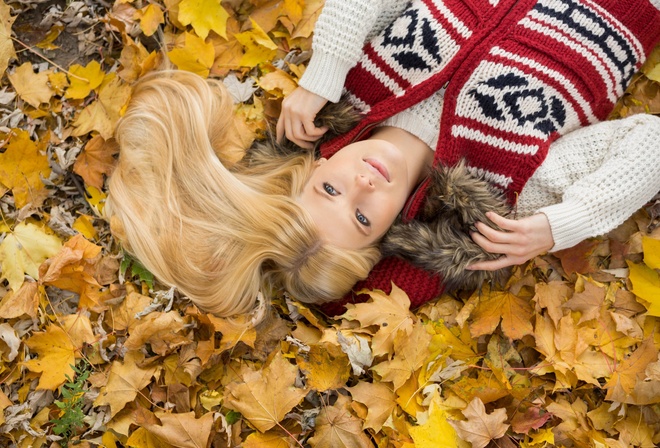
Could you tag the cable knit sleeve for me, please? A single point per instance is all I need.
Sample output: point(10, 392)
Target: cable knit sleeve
point(599, 175)
point(339, 35)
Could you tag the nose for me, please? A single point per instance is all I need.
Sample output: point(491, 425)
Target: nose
point(364, 182)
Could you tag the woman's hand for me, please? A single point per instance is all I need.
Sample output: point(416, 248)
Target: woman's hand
point(299, 110)
point(520, 241)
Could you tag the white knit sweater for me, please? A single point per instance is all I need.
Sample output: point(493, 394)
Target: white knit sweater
point(592, 180)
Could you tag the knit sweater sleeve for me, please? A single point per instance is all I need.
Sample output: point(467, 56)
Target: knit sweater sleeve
point(339, 35)
point(598, 176)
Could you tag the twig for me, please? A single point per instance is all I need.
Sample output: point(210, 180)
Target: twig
point(32, 50)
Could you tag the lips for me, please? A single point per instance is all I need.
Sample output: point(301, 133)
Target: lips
point(379, 168)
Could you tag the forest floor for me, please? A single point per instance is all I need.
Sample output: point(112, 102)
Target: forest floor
point(95, 352)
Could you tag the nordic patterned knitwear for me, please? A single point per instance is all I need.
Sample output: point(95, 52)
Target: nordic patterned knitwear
point(518, 74)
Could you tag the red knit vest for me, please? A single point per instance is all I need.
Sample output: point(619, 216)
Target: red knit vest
point(518, 74)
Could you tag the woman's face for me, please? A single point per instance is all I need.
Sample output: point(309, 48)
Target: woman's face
point(355, 195)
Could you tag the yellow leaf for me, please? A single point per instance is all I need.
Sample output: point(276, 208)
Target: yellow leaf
point(233, 331)
point(56, 357)
point(390, 312)
point(646, 285)
point(150, 17)
point(83, 224)
point(337, 427)
point(543, 436)
point(480, 427)
point(514, 312)
point(326, 367)
point(278, 83)
point(627, 383)
point(7, 51)
point(79, 329)
point(23, 250)
point(125, 380)
point(84, 79)
point(259, 48)
point(182, 430)
point(380, 400)
point(265, 396)
point(310, 13)
point(436, 432)
point(96, 160)
point(269, 439)
point(102, 115)
point(53, 33)
point(194, 55)
point(135, 60)
point(96, 199)
point(160, 330)
point(31, 87)
point(58, 82)
point(204, 16)
point(651, 247)
point(22, 166)
point(228, 52)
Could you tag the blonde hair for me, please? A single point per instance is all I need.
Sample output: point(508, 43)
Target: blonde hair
point(219, 231)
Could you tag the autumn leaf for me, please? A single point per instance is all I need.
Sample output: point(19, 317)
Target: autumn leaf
point(160, 330)
point(125, 380)
point(589, 302)
point(278, 83)
point(7, 51)
point(380, 400)
point(310, 13)
point(22, 166)
point(233, 331)
point(436, 432)
point(337, 427)
point(204, 16)
point(25, 301)
point(390, 312)
point(265, 396)
point(651, 248)
point(96, 160)
point(193, 55)
point(31, 87)
point(646, 285)
point(627, 383)
point(325, 366)
point(480, 427)
point(182, 430)
point(102, 114)
point(23, 250)
point(56, 357)
point(514, 312)
point(84, 79)
point(258, 46)
point(150, 17)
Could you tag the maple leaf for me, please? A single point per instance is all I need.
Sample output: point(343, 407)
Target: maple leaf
point(270, 439)
point(265, 396)
point(310, 13)
point(233, 331)
point(651, 247)
point(278, 83)
point(551, 296)
point(96, 159)
point(23, 250)
point(182, 430)
point(193, 55)
point(160, 330)
point(150, 17)
point(480, 428)
point(390, 312)
point(22, 166)
point(514, 312)
point(31, 87)
point(589, 302)
point(7, 51)
point(646, 285)
point(84, 79)
point(204, 16)
point(79, 329)
point(436, 432)
point(56, 357)
point(533, 418)
point(337, 427)
point(380, 400)
point(125, 380)
point(258, 46)
point(103, 114)
point(135, 60)
point(627, 383)
point(326, 367)
point(410, 351)
point(25, 301)
point(228, 52)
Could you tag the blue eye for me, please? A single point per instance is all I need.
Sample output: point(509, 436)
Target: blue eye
point(362, 219)
point(330, 189)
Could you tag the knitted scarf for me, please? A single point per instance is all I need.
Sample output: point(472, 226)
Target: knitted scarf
point(516, 75)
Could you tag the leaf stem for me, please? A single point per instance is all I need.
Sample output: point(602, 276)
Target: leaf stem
point(32, 50)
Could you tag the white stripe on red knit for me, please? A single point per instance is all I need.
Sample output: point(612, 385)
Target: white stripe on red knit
point(496, 142)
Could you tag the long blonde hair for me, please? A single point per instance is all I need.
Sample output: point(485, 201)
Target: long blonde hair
point(218, 231)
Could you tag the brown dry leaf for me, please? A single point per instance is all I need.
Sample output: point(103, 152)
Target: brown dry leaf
point(480, 427)
point(326, 367)
point(514, 312)
point(204, 16)
point(96, 160)
point(160, 331)
point(25, 301)
point(7, 51)
point(380, 400)
point(589, 302)
point(125, 380)
point(410, 351)
point(580, 258)
point(56, 357)
point(627, 383)
point(552, 296)
point(182, 430)
point(22, 166)
point(265, 396)
point(533, 418)
point(31, 87)
point(390, 312)
point(337, 427)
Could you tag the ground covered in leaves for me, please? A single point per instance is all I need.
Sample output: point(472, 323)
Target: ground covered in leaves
point(94, 352)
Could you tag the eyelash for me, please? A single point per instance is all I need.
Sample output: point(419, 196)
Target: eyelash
point(363, 220)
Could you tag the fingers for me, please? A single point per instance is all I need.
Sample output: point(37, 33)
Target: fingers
point(492, 265)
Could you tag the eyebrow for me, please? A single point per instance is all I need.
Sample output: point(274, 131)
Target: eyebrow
point(359, 227)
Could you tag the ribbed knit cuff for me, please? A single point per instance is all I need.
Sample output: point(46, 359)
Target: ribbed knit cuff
point(570, 223)
point(325, 76)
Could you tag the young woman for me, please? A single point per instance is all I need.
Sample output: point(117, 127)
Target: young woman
point(222, 231)
point(504, 85)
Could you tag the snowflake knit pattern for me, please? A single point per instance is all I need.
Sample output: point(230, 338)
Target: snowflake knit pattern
point(517, 74)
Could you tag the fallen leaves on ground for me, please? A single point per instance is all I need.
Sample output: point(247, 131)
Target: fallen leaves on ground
point(564, 353)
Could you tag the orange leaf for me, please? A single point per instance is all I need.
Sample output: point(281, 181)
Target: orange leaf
point(22, 166)
point(97, 159)
point(514, 312)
